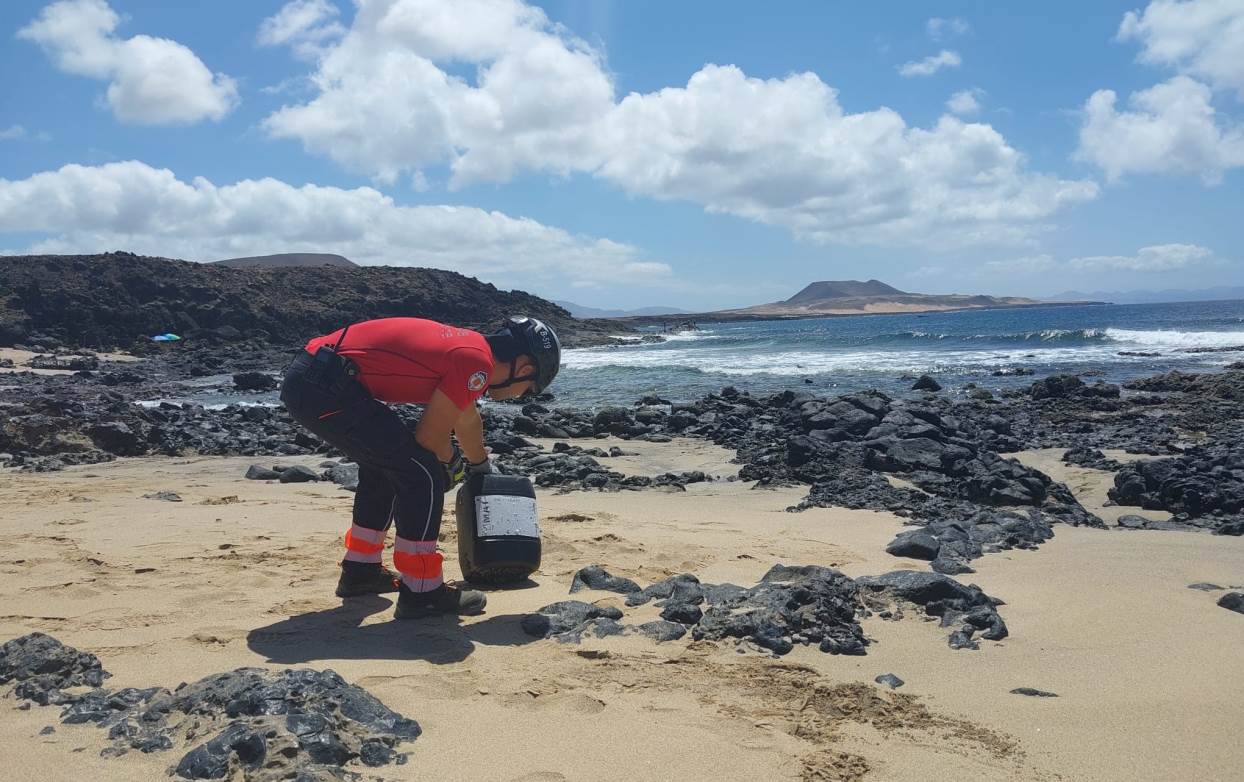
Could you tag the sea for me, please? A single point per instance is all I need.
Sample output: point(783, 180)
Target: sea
point(836, 355)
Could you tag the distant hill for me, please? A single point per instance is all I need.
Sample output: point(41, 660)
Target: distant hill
point(853, 297)
point(842, 289)
point(850, 297)
point(1219, 293)
point(287, 259)
point(580, 311)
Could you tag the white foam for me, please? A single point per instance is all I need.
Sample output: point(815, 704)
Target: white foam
point(1177, 339)
point(804, 363)
point(150, 403)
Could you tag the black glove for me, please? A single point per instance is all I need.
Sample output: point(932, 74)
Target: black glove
point(455, 469)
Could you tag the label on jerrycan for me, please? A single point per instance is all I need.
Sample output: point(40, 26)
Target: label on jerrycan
point(498, 515)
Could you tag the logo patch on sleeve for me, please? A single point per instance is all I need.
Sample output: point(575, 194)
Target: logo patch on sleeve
point(477, 381)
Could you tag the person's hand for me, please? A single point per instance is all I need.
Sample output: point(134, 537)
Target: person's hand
point(455, 470)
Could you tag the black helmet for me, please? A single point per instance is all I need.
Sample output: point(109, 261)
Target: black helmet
point(524, 336)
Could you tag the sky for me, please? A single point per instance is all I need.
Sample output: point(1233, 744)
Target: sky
point(635, 153)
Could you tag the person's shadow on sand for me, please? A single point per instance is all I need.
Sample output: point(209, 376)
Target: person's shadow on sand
point(339, 634)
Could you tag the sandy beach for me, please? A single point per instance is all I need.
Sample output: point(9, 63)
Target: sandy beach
point(240, 573)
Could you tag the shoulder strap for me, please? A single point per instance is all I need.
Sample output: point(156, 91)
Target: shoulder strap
point(342, 338)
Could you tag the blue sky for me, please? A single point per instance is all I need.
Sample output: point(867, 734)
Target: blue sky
point(636, 153)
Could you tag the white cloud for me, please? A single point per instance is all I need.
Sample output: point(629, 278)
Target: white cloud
point(306, 25)
point(1172, 128)
point(386, 107)
point(150, 80)
point(931, 64)
point(12, 133)
point(1202, 38)
point(392, 102)
point(939, 28)
point(1029, 264)
point(136, 207)
point(964, 102)
point(783, 152)
point(1156, 258)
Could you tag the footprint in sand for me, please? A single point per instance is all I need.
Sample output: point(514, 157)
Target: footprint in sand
point(541, 776)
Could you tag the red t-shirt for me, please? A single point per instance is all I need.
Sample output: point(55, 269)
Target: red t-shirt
point(404, 360)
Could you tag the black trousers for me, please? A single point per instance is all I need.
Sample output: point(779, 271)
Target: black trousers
point(399, 480)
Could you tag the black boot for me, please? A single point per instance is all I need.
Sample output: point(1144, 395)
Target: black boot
point(444, 599)
point(365, 578)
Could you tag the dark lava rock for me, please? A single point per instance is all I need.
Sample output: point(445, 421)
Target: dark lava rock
point(1205, 587)
point(682, 588)
point(926, 383)
point(940, 596)
point(1203, 487)
point(1090, 457)
point(298, 474)
point(254, 381)
point(566, 620)
point(596, 577)
point(212, 760)
point(683, 613)
point(42, 666)
point(291, 722)
point(167, 496)
point(890, 679)
point(118, 438)
point(258, 472)
point(1133, 521)
point(962, 639)
point(75, 363)
point(916, 544)
point(1233, 601)
point(344, 475)
point(1034, 693)
point(808, 604)
point(104, 706)
point(661, 630)
point(1056, 386)
point(257, 724)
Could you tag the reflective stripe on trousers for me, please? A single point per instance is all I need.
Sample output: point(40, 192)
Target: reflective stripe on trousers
point(419, 563)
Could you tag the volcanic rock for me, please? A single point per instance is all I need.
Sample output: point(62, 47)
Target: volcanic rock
point(1233, 601)
point(258, 472)
point(596, 577)
point(808, 605)
point(42, 666)
point(254, 381)
point(1034, 693)
point(567, 620)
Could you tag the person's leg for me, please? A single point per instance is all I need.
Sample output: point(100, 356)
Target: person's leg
point(331, 416)
point(373, 513)
point(417, 481)
point(362, 569)
point(420, 492)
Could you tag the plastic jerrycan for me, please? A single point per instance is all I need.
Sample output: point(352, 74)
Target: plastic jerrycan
point(498, 528)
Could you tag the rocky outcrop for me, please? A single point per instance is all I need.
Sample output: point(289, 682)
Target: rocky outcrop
point(121, 300)
point(248, 723)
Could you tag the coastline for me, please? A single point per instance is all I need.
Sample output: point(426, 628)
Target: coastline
point(718, 317)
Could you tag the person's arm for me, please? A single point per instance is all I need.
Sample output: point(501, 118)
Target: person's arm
point(470, 431)
point(440, 416)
